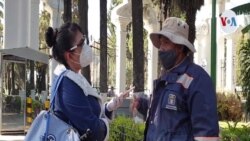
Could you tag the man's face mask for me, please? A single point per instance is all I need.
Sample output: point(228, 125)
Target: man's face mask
point(168, 58)
point(85, 56)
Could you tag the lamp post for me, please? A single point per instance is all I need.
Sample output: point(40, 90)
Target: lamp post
point(213, 43)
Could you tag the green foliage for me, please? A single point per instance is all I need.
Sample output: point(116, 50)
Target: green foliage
point(17, 103)
point(1, 29)
point(36, 107)
point(13, 104)
point(8, 99)
point(129, 55)
point(125, 129)
point(244, 60)
point(242, 9)
point(229, 107)
point(75, 15)
point(233, 133)
point(44, 20)
point(116, 2)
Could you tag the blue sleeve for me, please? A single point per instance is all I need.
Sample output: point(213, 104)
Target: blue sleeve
point(143, 106)
point(108, 114)
point(202, 107)
point(76, 107)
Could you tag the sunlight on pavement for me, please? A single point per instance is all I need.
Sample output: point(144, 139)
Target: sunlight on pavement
point(11, 138)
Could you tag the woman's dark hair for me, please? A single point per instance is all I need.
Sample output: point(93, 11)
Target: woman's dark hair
point(61, 40)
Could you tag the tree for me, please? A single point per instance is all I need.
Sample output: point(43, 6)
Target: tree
point(75, 15)
point(191, 7)
point(103, 46)
point(244, 61)
point(138, 50)
point(245, 70)
point(67, 14)
point(243, 9)
point(41, 69)
point(178, 8)
point(83, 22)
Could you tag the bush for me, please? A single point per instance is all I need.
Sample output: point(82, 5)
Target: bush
point(235, 134)
point(229, 107)
point(17, 103)
point(8, 99)
point(13, 104)
point(125, 129)
point(36, 107)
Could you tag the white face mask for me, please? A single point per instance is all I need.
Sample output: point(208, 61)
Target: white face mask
point(86, 55)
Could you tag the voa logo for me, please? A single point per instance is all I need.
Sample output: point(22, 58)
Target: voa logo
point(228, 22)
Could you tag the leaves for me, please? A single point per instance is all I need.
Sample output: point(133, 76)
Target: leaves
point(124, 128)
point(242, 9)
point(244, 60)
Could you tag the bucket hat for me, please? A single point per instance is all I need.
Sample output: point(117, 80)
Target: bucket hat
point(176, 30)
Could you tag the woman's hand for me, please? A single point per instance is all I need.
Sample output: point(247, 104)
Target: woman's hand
point(116, 102)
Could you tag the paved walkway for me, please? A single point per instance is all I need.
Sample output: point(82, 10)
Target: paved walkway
point(11, 138)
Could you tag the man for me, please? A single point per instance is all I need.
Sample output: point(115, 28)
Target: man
point(111, 92)
point(183, 103)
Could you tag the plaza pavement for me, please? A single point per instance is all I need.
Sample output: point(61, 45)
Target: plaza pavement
point(11, 138)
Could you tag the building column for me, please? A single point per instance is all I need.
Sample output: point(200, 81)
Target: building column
point(229, 65)
point(152, 65)
point(152, 58)
point(121, 26)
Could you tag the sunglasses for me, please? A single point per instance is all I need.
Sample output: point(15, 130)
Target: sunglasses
point(80, 44)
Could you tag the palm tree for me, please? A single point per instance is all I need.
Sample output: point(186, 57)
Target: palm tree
point(244, 57)
point(103, 46)
point(178, 7)
point(245, 71)
point(67, 14)
point(41, 68)
point(83, 22)
point(138, 50)
point(191, 7)
point(243, 9)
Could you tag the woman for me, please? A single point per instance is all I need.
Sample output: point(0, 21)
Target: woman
point(77, 102)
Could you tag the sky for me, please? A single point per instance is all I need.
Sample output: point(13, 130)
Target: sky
point(94, 18)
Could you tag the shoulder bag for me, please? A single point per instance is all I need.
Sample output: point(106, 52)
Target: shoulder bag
point(48, 127)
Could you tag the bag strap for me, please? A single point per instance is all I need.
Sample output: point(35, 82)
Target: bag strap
point(54, 90)
point(52, 101)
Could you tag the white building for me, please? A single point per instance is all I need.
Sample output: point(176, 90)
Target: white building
point(226, 43)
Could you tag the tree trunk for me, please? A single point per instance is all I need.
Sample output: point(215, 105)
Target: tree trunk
point(41, 78)
point(83, 22)
point(32, 70)
point(138, 49)
point(190, 19)
point(67, 14)
point(12, 77)
point(103, 46)
point(191, 16)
